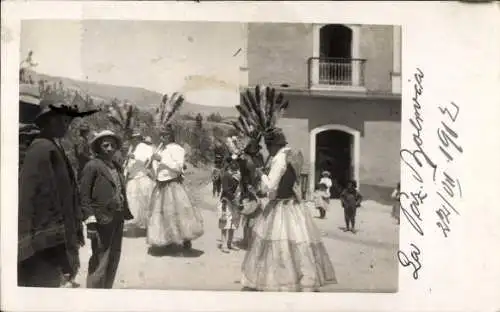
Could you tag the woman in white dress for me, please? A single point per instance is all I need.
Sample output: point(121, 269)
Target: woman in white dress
point(139, 184)
point(172, 219)
point(286, 253)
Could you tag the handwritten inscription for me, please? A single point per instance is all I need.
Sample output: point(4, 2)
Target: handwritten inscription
point(420, 164)
point(414, 262)
point(410, 207)
point(417, 160)
point(449, 188)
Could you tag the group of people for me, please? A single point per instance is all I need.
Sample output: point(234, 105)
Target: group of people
point(350, 199)
point(284, 249)
point(55, 203)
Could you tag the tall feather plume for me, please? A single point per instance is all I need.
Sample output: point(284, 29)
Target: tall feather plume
point(256, 106)
point(247, 105)
point(244, 126)
point(122, 115)
point(261, 110)
point(167, 109)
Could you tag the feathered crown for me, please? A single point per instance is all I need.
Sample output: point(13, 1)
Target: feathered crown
point(123, 116)
point(168, 107)
point(259, 111)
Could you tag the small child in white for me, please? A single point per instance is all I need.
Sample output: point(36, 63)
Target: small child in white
point(322, 199)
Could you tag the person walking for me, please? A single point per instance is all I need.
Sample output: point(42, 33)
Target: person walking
point(286, 253)
point(105, 206)
point(50, 229)
point(172, 217)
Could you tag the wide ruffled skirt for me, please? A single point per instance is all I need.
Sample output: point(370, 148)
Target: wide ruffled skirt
point(172, 218)
point(139, 192)
point(286, 253)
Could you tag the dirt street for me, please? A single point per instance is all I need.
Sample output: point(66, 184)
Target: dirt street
point(365, 261)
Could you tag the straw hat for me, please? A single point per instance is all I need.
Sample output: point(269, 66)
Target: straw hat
point(104, 134)
point(326, 173)
point(148, 140)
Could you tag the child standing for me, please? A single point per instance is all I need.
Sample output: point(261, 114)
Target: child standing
point(396, 205)
point(326, 179)
point(322, 199)
point(229, 216)
point(351, 200)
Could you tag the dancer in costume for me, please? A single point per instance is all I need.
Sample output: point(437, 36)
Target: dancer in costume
point(286, 252)
point(139, 184)
point(172, 219)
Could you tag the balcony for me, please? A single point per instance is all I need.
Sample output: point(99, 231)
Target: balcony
point(336, 74)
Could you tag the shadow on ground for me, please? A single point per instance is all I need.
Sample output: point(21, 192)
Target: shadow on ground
point(379, 194)
point(175, 251)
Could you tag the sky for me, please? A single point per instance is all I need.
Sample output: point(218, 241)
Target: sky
point(196, 58)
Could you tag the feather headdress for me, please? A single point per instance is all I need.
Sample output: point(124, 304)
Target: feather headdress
point(259, 111)
point(123, 116)
point(167, 109)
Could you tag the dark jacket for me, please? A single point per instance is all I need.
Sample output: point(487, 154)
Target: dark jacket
point(351, 199)
point(98, 192)
point(49, 212)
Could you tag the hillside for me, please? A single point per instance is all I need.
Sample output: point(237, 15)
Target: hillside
point(142, 98)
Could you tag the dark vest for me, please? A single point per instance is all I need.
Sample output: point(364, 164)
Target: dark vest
point(286, 184)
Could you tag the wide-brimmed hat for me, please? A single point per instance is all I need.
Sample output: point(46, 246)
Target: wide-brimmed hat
point(326, 173)
point(104, 134)
point(55, 104)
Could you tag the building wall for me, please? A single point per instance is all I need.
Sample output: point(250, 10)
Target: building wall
point(277, 53)
point(377, 120)
point(376, 46)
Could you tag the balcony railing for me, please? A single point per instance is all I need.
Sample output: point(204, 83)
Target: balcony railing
point(341, 72)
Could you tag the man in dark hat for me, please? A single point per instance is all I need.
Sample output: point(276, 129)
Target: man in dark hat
point(50, 220)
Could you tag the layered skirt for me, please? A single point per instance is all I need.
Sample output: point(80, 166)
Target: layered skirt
point(139, 191)
point(286, 253)
point(172, 218)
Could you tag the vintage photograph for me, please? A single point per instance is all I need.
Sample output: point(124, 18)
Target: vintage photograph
point(209, 156)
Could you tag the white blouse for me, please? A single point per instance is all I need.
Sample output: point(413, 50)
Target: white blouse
point(279, 163)
point(171, 164)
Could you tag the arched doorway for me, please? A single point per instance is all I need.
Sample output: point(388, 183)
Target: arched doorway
point(334, 148)
point(335, 51)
